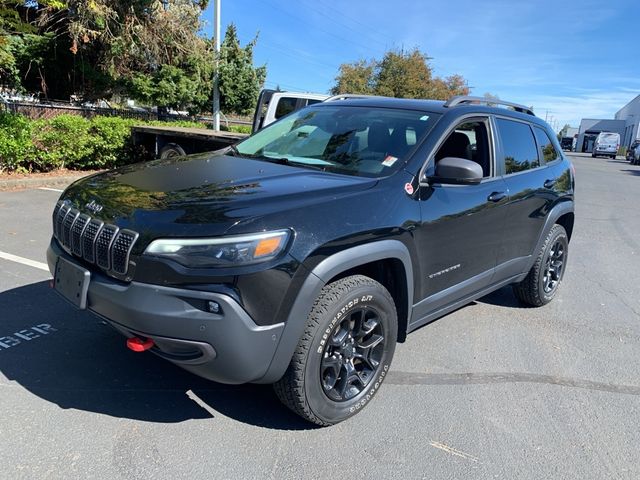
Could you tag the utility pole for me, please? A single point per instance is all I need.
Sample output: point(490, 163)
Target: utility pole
point(216, 76)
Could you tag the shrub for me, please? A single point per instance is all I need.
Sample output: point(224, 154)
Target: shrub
point(16, 147)
point(62, 142)
point(240, 128)
point(74, 142)
point(111, 142)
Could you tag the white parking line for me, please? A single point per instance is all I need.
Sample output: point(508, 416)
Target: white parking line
point(50, 189)
point(24, 261)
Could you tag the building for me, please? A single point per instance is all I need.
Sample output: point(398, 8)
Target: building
point(630, 114)
point(625, 123)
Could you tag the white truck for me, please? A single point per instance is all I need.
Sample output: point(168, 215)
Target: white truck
point(167, 141)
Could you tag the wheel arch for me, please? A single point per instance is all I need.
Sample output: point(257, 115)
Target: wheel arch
point(369, 257)
point(563, 214)
point(566, 220)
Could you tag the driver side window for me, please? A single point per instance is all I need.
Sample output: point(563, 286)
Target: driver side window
point(469, 140)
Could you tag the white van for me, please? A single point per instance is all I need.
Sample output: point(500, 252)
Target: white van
point(607, 143)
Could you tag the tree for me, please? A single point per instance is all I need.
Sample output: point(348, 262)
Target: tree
point(240, 82)
point(399, 74)
point(404, 75)
point(355, 78)
point(149, 50)
point(563, 131)
point(12, 27)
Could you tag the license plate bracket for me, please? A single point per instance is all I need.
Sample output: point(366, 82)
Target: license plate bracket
point(72, 282)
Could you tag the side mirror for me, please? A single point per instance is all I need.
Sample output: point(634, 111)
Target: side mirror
point(457, 171)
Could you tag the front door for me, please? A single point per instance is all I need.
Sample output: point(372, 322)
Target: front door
point(461, 225)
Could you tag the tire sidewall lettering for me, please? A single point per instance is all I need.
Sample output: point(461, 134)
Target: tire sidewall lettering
point(356, 301)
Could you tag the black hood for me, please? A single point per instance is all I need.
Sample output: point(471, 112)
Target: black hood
point(203, 195)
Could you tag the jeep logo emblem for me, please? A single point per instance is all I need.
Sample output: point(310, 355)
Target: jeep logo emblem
point(94, 207)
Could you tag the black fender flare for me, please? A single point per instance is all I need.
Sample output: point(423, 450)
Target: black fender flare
point(554, 214)
point(317, 279)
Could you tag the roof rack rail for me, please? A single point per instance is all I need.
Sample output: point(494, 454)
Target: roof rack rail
point(345, 96)
point(465, 99)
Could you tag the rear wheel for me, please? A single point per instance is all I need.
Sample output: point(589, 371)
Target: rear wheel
point(541, 284)
point(344, 354)
point(171, 150)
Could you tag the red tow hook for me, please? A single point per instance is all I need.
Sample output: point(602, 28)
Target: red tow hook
point(138, 344)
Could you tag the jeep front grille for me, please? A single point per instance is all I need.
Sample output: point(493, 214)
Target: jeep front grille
point(104, 245)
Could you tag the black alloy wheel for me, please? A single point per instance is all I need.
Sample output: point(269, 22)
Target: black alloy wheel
point(352, 355)
point(541, 284)
point(344, 354)
point(554, 264)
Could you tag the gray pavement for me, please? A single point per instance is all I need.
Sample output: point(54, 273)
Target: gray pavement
point(493, 390)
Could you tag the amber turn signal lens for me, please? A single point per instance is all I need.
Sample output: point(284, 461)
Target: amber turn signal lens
point(267, 246)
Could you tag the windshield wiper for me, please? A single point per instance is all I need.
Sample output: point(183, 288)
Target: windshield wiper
point(281, 161)
point(235, 151)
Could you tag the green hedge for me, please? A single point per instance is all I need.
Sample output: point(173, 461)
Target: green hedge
point(69, 141)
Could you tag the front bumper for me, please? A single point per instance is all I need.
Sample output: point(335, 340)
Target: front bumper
point(227, 347)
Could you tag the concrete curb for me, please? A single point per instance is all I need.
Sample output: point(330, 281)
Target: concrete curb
point(52, 182)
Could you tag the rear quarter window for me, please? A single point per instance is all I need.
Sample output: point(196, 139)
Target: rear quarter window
point(518, 146)
point(545, 144)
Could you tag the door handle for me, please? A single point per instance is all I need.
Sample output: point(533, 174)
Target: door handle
point(549, 183)
point(496, 196)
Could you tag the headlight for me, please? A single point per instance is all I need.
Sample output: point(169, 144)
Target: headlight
point(222, 251)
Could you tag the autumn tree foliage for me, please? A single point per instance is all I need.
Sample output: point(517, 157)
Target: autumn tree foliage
point(403, 74)
point(149, 50)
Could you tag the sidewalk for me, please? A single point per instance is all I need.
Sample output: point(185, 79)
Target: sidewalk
point(37, 180)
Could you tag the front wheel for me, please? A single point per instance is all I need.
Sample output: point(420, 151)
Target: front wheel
point(541, 284)
point(344, 354)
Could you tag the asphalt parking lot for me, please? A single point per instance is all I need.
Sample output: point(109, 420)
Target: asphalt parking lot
point(493, 390)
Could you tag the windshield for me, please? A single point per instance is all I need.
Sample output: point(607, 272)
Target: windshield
point(608, 138)
point(364, 141)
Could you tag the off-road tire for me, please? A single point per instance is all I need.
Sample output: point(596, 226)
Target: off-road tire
point(531, 291)
point(302, 388)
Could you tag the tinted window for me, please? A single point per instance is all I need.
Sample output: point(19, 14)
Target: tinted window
point(286, 105)
point(471, 142)
point(313, 101)
point(519, 147)
point(549, 152)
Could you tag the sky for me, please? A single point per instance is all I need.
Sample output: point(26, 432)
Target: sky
point(569, 60)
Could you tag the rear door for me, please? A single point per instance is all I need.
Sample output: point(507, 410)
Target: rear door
point(526, 156)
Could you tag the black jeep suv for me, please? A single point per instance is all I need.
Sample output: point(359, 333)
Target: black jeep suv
point(301, 256)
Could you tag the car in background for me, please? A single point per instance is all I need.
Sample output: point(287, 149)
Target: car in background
point(632, 154)
point(566, 143)
point(636, 155)
point(607, 144)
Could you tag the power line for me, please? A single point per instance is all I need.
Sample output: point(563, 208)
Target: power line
point(354, 20)
point(336, 20)
point(316, 27)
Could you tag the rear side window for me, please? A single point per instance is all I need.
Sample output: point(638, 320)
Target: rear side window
point(286, 105)
point(549, 152)
point(519, 147)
